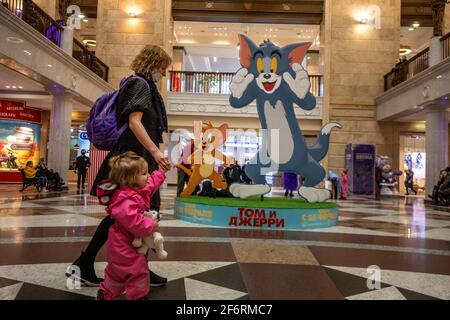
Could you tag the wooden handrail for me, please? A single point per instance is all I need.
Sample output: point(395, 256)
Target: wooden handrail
point(445, 43)
point(90, 60)
point(407, 69)
point(447, 36)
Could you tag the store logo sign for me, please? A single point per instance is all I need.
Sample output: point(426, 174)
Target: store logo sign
point(84, 135)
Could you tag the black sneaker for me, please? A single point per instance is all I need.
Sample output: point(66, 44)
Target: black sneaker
point(83, 270)
point(157, 281)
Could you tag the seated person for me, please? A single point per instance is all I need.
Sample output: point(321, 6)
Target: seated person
point(51, 175)
point(232, 173)
point(434, 195)
point(444, 190)
point(30, 173)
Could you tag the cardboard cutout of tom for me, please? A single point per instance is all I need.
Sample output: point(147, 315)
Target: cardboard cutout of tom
point(275, 77)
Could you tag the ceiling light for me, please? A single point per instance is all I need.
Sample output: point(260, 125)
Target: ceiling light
point(27, 52)
point(14, 87)
point(404, 50)
point(133, 15)
point(410, 29)
point(20, 87)
point(8, 87)
point(81, 16)
point(14, 40)
point(90, 42)
point(415, 25)
point(363, 21)
point(221, 43)
point(85, 20)
point(49, 65)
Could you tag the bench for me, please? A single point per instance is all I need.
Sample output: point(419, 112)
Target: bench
point(27, 182)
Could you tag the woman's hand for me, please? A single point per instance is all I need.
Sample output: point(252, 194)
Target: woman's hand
point(162, 160)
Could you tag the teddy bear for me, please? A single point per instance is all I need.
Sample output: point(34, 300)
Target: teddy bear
point(154, 241)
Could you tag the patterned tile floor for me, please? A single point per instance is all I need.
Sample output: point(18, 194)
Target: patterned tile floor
point(40, 234)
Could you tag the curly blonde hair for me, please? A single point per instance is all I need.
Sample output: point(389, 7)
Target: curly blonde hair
point(125, 168)
point(150, 58)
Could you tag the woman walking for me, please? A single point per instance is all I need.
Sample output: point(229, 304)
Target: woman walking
point(141, 106)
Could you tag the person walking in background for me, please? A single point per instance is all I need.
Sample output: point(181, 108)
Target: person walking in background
point(344, 185)
point(409, 181)
point(335, 184)
point(290, 183)
point(81, 165)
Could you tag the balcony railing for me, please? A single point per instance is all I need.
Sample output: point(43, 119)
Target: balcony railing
point(86, 57)
point(29, 12)
point(445, 41)
point(218, 82)
point(407, 69)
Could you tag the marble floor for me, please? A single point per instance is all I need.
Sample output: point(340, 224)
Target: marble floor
point(406, 240)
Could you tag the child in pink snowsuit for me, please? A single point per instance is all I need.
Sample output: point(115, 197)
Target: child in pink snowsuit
point(127, 270)
point(344, 185)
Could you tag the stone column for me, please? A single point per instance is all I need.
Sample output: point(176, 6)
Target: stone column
point(355, 58)
point(436, 145)
point(59, 137)
point(120, 38)
point(447, 19)
point(435, 51)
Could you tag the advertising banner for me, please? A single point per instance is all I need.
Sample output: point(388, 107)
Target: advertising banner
point(19, 143)
point(13, 110)
point(257, 218)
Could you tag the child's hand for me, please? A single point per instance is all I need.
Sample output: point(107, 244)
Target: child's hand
point(165, 169)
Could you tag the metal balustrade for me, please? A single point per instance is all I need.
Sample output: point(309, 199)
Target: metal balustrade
point(218, 82)
point(29, 12)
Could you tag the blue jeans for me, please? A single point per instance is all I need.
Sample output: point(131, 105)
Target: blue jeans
point(43, 181)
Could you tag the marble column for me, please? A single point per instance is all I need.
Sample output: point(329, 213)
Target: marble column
point(435, 51)
point(436, 145)
point(59, 137)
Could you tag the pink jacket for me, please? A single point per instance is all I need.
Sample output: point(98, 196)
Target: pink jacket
point(126, 208)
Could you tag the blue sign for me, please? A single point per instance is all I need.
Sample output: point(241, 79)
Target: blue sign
point(83, 143)
point(257, 218)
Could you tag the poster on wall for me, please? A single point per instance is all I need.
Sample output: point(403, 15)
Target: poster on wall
point(20, 134)
point(19, 143)
point(418, 164)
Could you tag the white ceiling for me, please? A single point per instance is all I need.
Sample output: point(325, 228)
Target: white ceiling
point(417, 40)
point(205, 40)
point(32, 93)
point(11, 78)
point(225, 35)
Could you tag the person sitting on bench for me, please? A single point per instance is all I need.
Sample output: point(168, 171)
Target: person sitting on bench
point(30, 173)
point(51, 175)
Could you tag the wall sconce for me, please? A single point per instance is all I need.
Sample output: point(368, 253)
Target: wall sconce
point(372, 17)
